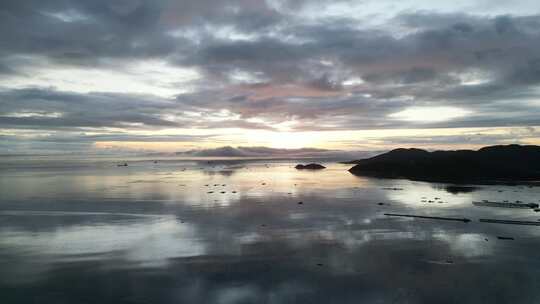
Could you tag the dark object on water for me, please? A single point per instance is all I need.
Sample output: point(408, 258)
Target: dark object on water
point(441, 262)
point(310, 167)
point(395, 189)
point(456, 189)
point(465, 220)
point(510, 222)
point(489, 164)
point(507, 238)
point(300, 203)
point(122, 165)
point(380, 204)
point(506, 204)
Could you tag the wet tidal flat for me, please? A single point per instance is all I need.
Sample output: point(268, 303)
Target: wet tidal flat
point(233, 231)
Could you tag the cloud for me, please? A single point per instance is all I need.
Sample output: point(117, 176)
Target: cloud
point(154, 65)
point(92, 110)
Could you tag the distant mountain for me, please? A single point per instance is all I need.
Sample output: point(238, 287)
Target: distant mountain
point(229, 151)
point(494, 163)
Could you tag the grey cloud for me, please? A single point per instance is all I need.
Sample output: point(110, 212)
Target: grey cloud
point(83, 32)
point(32, 109)
point(84, 138)
point(295, 68)
point(66, 141)
point(360, 112)
point(82, 110)
point(134, 29)
point(432, 53)
point(98, 30)
point(5, 70)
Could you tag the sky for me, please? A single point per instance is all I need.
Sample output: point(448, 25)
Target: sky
point(82, 76)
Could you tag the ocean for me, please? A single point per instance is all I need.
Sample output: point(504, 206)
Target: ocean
point(174, 230)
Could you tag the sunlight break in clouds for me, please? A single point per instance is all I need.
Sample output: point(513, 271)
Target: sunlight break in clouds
point(155, 77)
point(430, 114)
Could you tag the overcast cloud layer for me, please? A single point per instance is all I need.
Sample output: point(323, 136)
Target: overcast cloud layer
point(77, 72)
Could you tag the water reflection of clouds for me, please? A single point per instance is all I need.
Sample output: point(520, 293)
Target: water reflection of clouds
point(468, 245)
point(149, 240)
point(172, 243)
point(424, 196)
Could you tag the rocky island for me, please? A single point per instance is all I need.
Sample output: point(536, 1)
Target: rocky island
point(489, 164)
point(310, 167)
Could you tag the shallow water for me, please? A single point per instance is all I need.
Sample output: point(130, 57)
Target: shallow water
point(232, 231)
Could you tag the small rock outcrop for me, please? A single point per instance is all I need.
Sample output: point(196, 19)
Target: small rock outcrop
point(310, 167)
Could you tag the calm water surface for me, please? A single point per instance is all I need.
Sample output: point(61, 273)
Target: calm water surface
point(231, 231)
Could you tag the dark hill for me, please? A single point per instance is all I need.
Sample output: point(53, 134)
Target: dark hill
point(494, 163)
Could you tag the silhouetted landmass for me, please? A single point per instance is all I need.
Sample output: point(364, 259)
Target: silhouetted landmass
point(456, 189)
point(489, 164)
point(310, 167)
point(254, 152)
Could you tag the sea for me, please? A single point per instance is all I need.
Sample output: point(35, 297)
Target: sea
point(235, 230)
